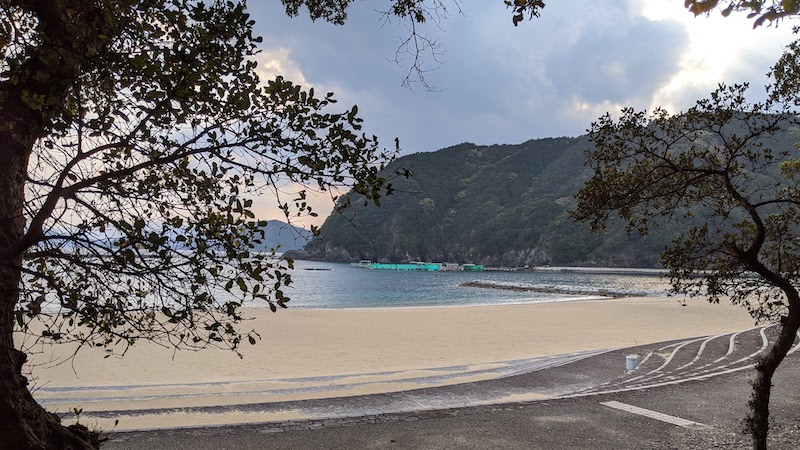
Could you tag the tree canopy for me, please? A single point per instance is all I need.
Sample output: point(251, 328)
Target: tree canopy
point(134, 136)
point(761, 11)
point(718, 161)
point(146, 174)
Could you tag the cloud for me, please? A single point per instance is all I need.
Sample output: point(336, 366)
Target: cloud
point(548, 77)
point(551, 76)
point(617, 63)
point(720, 50)
point(277, 61)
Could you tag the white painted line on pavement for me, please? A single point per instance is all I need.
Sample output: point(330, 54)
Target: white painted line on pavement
point(672, 355)
point(764, 345)
point(651, 414)
point(731, 346)
point(699, 352)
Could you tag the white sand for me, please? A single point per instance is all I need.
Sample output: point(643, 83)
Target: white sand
point(368, 342)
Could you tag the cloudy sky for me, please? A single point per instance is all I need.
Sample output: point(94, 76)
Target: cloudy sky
point(497, 83)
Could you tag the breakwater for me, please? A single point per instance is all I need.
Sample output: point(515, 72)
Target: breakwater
point(556, 289)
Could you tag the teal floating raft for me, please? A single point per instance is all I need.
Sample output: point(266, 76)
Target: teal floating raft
point(418, 266)
point(472, 268)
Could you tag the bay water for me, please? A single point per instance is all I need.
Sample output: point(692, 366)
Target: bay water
point(323, 285)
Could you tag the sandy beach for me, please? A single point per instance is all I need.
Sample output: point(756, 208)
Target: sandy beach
point(307, 353)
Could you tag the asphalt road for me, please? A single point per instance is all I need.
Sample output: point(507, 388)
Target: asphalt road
point(719, 404)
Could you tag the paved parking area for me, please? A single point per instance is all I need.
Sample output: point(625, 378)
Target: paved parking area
point(711, 408)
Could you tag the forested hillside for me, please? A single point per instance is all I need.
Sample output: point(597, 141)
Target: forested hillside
point(499, 205)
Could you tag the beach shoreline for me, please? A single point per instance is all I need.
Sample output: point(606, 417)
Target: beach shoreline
point(306, 354)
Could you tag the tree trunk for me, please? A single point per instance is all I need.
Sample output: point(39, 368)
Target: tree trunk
point(67, 43)
point(757, 422)
point(24, 424)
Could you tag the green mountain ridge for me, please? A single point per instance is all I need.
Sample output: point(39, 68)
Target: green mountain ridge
point(501, 205)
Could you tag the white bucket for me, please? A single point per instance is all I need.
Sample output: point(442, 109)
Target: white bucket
point(631, 361)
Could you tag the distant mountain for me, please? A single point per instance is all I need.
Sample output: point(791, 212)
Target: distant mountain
point(287, 236)
point(499, 205)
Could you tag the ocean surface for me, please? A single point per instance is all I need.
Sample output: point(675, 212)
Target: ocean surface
point(321, 285)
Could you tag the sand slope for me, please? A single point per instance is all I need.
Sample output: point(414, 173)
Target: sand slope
point(298, 345)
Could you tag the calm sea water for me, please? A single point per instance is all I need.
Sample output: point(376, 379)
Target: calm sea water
point(344, 286)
